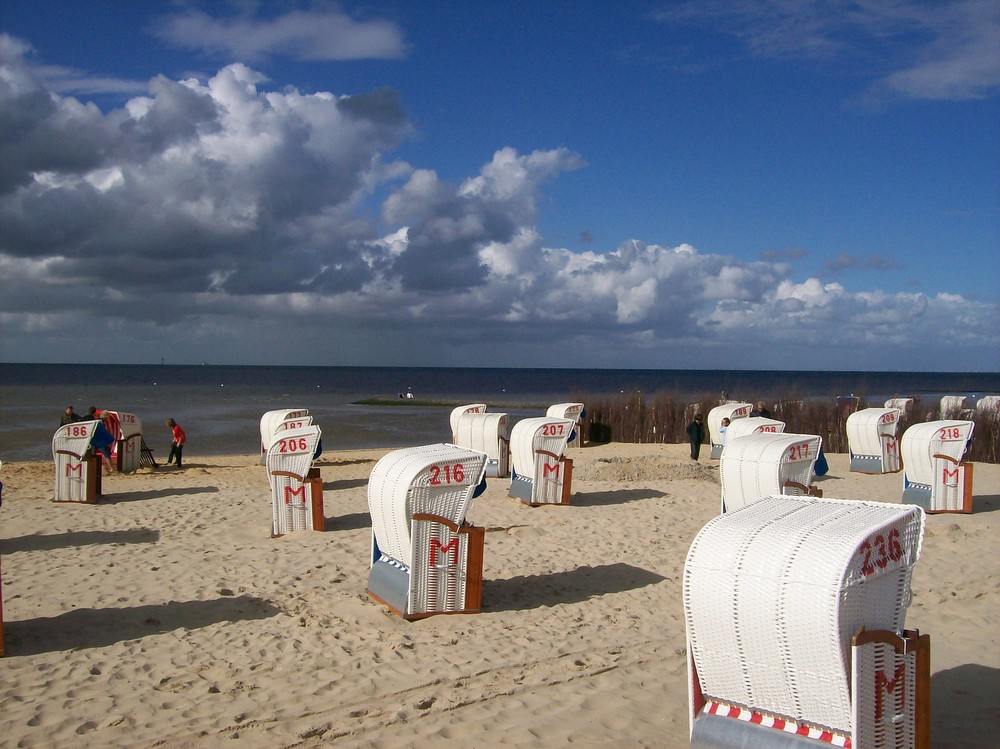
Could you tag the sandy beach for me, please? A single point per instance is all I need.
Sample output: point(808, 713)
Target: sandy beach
point(166, 615)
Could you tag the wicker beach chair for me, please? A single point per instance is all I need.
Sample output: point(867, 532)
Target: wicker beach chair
point(457, 413)
point(753, 425)
point(126, 452)
point(296, 486)
point(794, 609)
point(425, 558)
point(766, 463)
point(488, 433)
point(872, 440)
point(77, 469)
point(731, 411)
point(935, 476)
point(541, 474)
point(272, 420)
point(576, 413)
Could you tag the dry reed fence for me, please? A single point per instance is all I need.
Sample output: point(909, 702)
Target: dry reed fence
point(663, 417)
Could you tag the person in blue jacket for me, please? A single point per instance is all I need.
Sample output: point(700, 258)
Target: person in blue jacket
point(102, 441)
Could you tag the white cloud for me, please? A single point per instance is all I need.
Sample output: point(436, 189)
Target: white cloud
point(324, 33)
point(220, 219)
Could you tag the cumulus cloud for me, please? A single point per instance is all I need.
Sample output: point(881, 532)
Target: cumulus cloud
point(323, 33)
point(223, 219)
point(945, 50)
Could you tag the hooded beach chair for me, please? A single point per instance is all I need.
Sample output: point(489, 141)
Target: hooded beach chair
point(953, 407)
point(425, 558)
point(78, 468)
point(753, 425)
point(541, 474)
point(296, 486)
point(272, 421)
point(457, 413)
point(488, 433)
point(903, 404)
point(731, 411)
point(988, 405)
point(935, 476)
point(872, 440)
point(576, 413)
point(126, 451)
point(794, 611)
point(766, 463)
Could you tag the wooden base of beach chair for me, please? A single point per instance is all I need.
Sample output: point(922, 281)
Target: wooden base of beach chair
point(315, 481)
point(92, 467)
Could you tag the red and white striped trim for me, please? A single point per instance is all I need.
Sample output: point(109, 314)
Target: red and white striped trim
point(712, 707)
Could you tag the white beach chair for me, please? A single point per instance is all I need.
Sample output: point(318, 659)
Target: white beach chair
point(541, 473)
point(425, 558)
point(766, 463)
point(872, 440)
point(457, 413)
point(78, 469)
point(988, 404)
point(271, 421)
point(126, 452)
point(296, 487)
point(488, 433)
point(952, 406)
point(753, 425)
point(794, 611)
point(902, 404)
point(731, 411)
point(935, 476)
point(576, 413)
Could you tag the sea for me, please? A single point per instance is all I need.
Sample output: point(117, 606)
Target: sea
point(219, 407)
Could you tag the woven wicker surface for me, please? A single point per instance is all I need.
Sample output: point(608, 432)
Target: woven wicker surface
point(921, 442)
point(773, 592)
point(731, 411)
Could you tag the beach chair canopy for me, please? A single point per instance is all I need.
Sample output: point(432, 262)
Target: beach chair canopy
point(903, 404)
point(774, 592)
point(439, 480)
point(272, 421)
point(456, 414)
point(293, 450)
point(867, 428)
point(764, 464)
point(988, 404)
point(731, 411)
point(922, 442)
point(753, 425)
point(484, 432)
point(573, 411)
point(528, 436)
point(73, 439)
point(951, 406)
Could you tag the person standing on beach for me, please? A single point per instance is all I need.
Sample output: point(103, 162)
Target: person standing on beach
point(102, 441)
point(696, 435)
point(177, 445)
point(69, 417)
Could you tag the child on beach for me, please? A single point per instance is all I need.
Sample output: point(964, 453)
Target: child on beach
point(177, 445)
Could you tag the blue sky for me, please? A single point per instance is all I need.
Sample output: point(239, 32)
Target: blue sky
point(709, 184)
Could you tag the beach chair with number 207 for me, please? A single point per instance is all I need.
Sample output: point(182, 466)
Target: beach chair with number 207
point(296, 486)
point(794, 610)
point(541, 473)
point(425, 558)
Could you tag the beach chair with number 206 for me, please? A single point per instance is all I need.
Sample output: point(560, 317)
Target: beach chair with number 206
point(794, 610)
point(425, 558)
point(296, 486)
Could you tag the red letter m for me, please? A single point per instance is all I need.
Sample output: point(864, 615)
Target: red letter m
point(953, 475)
point(547, 469)
point(290, 493)
point(889, 686)
point(436, 546)
point(77, 469)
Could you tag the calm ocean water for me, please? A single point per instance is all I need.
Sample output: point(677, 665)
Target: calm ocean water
point(220, 406)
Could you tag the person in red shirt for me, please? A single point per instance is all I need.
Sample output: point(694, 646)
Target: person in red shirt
point(177, 446)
